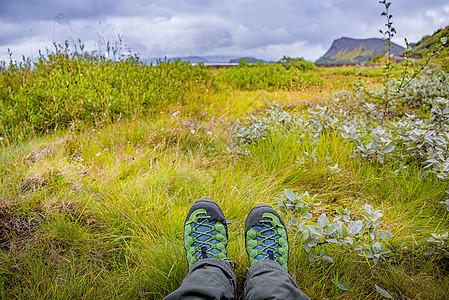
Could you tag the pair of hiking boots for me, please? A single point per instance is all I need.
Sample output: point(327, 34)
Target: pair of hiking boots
point(206, 234)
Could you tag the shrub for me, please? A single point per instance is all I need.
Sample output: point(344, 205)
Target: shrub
point(298, 63)
point(67, 88)
point(257, 76)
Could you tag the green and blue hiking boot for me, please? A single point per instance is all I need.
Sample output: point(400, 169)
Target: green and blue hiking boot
point(205, 232)
point(266, 236)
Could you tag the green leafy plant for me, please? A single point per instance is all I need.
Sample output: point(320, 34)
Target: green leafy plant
point(408, 74)
point(388, 35)
point(438, 245)
point(362, 237)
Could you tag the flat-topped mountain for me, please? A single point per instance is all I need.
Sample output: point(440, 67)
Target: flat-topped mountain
point(348, 51)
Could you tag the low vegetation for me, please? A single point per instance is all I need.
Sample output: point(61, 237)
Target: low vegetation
point(100, 161)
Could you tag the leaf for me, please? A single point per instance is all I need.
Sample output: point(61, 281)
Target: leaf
point(306, 235)
point(333, 241)
point(344, 135)
point(305, 196)
point(384, 251)
point(341, 284)
point(342, 230)
point(444, 40)
point(385, 235)
point(367, 253)
point(377, 215)
point(307, 216)
point(290, 195)
point(299, 205)
point(323, 220)
point(358, 248)
point(355, 227)
point(350, 241)
point(377, 247)
point(302, 209)
point(387, 149)
point(316, 230)
point(328, 259)
point(282, 209)
point(332, 228)
point(312, 256)
point(383, 292)
point(414, 137)
point(369, 209)
point(340, 210)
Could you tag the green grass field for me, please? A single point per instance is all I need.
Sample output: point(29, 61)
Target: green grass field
point(98, 172)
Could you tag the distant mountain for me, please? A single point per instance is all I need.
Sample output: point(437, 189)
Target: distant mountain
point(248, 60)
point(219, 58)
point(207, 60)
point(191, 59)
point(348, 51)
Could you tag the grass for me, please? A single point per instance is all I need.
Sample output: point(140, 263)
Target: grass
point(97, 211)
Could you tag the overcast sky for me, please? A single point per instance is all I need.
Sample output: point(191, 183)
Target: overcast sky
point(267, 29)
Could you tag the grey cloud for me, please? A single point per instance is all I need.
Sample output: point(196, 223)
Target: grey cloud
point(202, 27)
point(32, 10)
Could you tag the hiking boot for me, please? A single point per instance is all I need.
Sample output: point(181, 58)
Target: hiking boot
point(205, 232)
point(266, 236)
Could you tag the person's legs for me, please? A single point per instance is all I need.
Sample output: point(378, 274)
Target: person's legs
point(209, 278)
point(267, 279)
point(205, 239)
point(267, 246)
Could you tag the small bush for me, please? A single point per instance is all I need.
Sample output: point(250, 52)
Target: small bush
point(257, 76)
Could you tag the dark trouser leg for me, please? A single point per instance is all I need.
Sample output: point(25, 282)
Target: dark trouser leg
point(208, 278)
point(269, 280)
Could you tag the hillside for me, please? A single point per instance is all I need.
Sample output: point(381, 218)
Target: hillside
point(348, 51)
point(428, 42)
